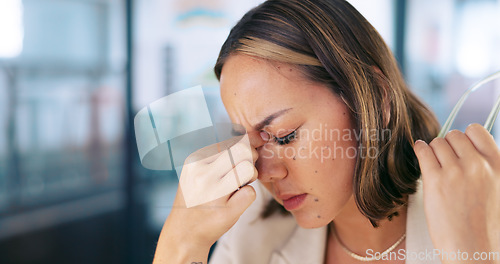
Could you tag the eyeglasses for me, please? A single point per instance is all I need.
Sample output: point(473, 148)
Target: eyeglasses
point(491, 117)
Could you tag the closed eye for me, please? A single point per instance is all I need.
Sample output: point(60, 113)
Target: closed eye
point(286, 139)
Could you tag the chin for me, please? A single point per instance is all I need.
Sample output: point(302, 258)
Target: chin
point(309, 220)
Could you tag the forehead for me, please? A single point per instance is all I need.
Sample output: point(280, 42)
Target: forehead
point(246, 73)
point(252, 88)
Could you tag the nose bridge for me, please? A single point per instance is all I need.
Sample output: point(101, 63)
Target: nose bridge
point(269, 165)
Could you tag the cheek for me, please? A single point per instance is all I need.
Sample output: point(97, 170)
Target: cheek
point(328, 160)
point(268, 186)
point(324, 168)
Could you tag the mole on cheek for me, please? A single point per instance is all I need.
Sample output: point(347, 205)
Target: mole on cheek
point(294, 158)
point(319, 216)
point(316, 200)
point(316, 171)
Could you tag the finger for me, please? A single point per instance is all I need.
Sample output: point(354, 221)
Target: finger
point(256, 139)
point(255, 155)
point(212, 188)
point(460, 144)
point(240, 152)
point(243, 151)
point(254, 177)
point(234, 155)
point(426, 157)
point(228, 159)
point(242, 174)
point(483, 141)
point(443, 152)
point(242, 199)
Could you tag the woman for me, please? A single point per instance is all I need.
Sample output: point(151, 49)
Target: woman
point(293, 67)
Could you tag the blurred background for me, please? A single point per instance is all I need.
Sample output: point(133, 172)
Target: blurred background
point(73, 73)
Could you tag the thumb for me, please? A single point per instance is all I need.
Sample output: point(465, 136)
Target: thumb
point(241, 199)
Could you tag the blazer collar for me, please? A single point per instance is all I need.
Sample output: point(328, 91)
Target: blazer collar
point(419, 247)
point(305, 246)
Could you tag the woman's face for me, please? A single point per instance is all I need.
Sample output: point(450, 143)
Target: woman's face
point(309, 168)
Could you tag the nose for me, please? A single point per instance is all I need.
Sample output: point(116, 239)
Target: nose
point(269, 165)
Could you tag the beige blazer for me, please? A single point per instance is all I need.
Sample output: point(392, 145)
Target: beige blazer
point(279, 240)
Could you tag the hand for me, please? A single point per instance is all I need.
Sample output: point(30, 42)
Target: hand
point(461, 182)
point(207, 174)
point(188, 233)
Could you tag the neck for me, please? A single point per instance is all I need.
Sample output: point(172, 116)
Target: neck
point(358, 235)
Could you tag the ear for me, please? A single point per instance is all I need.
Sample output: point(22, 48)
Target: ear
point(381, 80)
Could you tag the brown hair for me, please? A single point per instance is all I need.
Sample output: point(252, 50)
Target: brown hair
point(333, 44)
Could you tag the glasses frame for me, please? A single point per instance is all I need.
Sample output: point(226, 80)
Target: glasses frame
point(491, 117)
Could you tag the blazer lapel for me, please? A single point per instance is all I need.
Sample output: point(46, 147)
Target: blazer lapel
point(305, 246)
point(419, 247)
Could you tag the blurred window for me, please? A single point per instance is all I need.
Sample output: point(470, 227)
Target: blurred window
point(450, 45)
point(11, 28)
point(61, 109)
point(380, 14)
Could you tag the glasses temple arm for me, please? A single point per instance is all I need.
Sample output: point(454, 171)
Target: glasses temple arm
point(491, 118)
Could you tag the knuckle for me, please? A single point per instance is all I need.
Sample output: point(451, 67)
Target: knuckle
point(246, 169)
point(216, 168)
point(255, 174)
point(245, 166)
point(474, 166)
point(239, 149)
point(455, 171)
point(193, 157)
point(485, 168)
point(222, 162)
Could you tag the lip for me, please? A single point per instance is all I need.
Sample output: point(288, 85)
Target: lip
point(293, 201)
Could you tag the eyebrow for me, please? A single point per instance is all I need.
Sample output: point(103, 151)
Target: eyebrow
point(268, 120)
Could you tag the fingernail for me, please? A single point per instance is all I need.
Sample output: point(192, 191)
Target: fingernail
point(265, 136)
point(419, 142)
